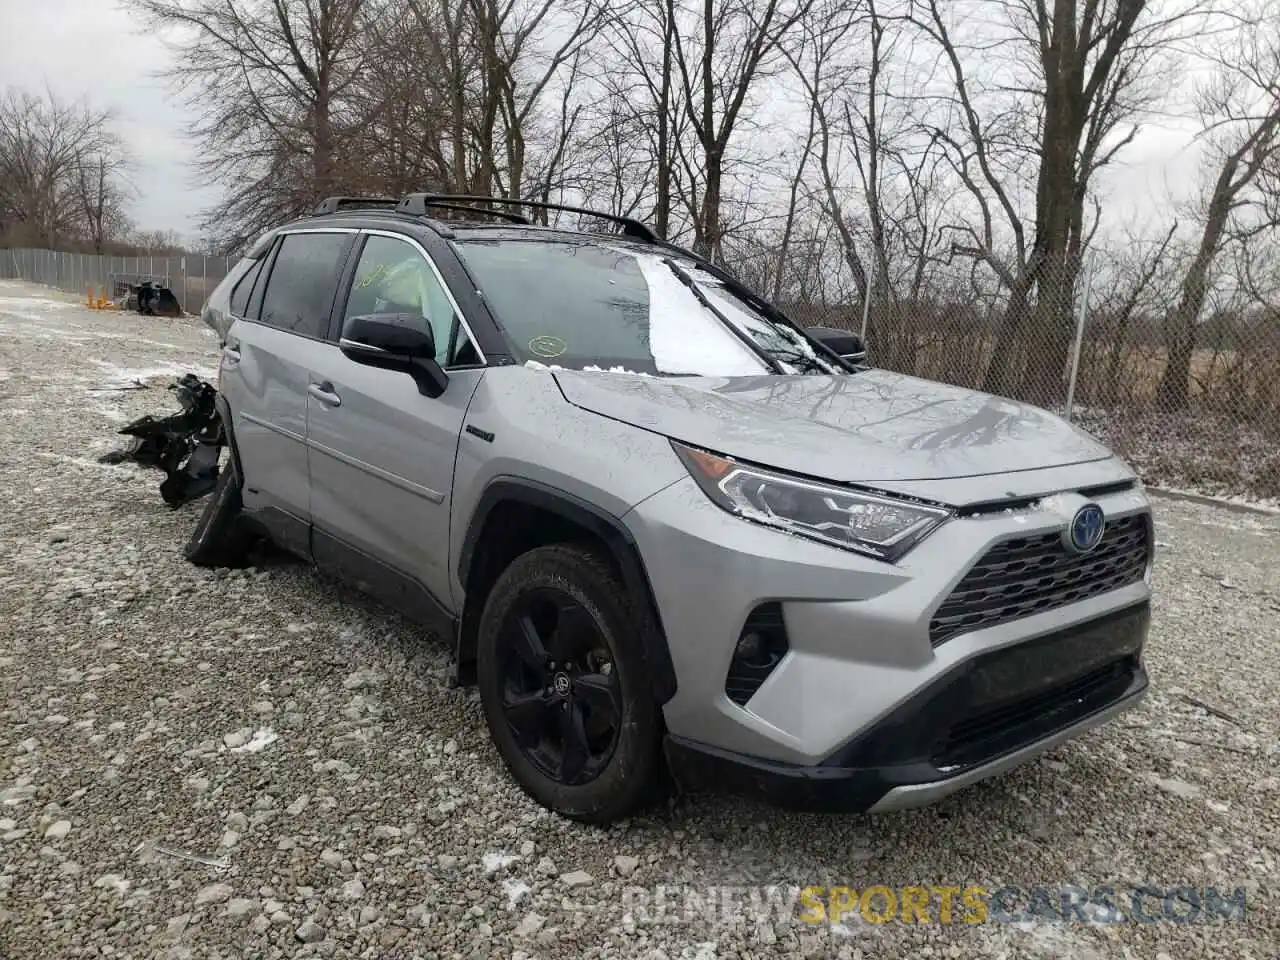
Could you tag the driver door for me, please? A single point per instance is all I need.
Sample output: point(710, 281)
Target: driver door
point(382, 455)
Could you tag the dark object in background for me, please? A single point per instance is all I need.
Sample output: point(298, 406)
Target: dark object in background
point(844, 342)
point(184, 445)
point(153, 300)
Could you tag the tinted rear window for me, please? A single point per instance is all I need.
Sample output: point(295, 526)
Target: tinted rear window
point(302, 282)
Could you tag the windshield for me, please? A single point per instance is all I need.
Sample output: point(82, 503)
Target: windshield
point(591, 305)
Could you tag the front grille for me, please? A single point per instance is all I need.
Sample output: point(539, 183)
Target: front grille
point(1003, 729)
point(1027, 575)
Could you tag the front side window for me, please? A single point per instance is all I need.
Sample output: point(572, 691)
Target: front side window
point(393, 277)
point(596, 305)
point(302, 282)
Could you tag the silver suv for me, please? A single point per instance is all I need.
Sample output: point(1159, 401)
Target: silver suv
point(671, 535)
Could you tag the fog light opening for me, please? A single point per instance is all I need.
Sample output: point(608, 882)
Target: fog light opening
point(760, 648)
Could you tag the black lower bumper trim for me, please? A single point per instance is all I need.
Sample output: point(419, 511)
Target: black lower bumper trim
point(988, 708)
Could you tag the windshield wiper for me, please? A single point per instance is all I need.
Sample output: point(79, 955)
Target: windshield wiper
point(773, 355)
point(812, 364)
point(684, 277)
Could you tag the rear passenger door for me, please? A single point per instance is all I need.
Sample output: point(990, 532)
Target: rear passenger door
point(382, 455)
point(266, 372)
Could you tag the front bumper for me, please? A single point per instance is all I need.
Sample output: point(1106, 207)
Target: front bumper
point(860, 654)
point(980, 719)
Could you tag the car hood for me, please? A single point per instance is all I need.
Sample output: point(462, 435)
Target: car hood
point(861, 428)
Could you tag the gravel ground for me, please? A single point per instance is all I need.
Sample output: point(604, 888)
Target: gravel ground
point(260, 763)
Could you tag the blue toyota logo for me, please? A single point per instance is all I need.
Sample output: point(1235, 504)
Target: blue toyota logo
point(1086, 528)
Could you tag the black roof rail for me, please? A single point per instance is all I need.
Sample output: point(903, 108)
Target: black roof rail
point(426, 200)
point(334, 204)
point(417, 204)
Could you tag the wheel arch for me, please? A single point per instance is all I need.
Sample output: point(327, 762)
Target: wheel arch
point(514, 515)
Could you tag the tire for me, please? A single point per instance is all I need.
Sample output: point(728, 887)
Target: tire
point(601, 689)
point(220, 539)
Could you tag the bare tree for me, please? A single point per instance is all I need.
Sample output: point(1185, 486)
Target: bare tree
point(102, 190)
point(270, 83)
point(722, 50)
point(48, 148)
point(827, 82)
point(1242, 107)
point(1084, 78)
point(156, 242)
point(643, 96)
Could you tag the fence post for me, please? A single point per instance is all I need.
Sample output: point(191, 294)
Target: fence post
point(1080, 318)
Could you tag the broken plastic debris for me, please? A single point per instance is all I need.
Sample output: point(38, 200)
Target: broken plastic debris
point(217, 863)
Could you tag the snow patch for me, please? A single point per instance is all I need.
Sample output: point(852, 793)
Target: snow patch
point(1055, 503)
point(493, 862)
point(516, 890)
point(592, 368)
point(8, 304)
point(125, 376)
point(684, 337)
point(260, 740)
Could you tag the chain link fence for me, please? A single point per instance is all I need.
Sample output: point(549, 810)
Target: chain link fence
point(1190, 397)
point(191, 276)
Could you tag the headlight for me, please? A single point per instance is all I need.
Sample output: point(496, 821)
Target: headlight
point(883, 527)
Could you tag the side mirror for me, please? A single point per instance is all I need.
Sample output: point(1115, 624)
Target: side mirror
point(846, 343)
point(396, 341)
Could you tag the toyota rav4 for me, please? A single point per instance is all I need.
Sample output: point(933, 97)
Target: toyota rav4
point(671, 536)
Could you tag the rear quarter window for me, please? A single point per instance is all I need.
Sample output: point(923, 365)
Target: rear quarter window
point(243, 289)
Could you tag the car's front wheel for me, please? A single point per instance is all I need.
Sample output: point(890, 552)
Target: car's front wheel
point(564, 686)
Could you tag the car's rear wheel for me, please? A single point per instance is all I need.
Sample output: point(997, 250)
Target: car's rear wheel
point(220, 538)
point(564, 687)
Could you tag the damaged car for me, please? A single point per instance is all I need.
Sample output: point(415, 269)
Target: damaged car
point(670, 535)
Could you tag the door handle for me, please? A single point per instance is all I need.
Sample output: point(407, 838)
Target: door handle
point(325, 393)
point(231, 353)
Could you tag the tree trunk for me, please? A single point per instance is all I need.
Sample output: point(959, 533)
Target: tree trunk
point(1044, 333)
point(1174, 391)
point(710, 232)
point(1004, 371)
point(461, 179)
point(1050, 343)
point(793, 199)
point(662, 215)
point(322, 158)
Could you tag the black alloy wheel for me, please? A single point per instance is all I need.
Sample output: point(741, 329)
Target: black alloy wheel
point(565, 689)
point(560, 693)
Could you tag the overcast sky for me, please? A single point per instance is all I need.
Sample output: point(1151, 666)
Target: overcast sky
point(96, 48)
